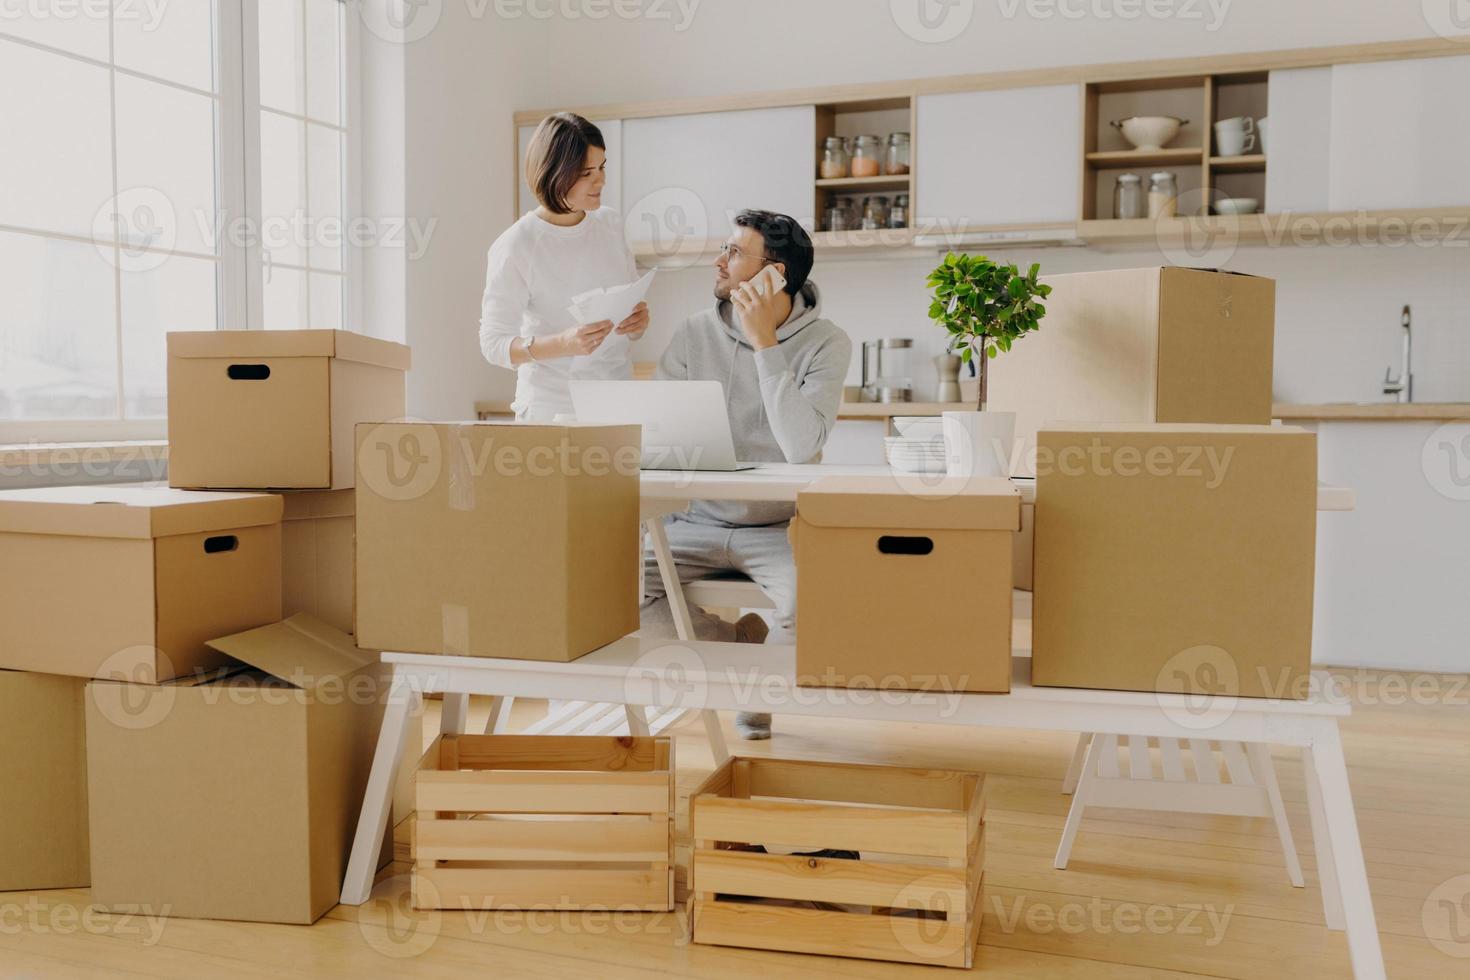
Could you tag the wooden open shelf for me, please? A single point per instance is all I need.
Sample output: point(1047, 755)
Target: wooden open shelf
point(897, 182)
point(1249, 163)
point(853, 117)
point(1146, 158)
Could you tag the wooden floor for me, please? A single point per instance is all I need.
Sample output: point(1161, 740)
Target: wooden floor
point(1145, 896)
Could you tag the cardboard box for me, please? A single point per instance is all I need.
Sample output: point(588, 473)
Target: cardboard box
point(1023, 554)
point(1175, 558)
point(274, 409)
point(129, 582)
point(317, 529)
point(1142, 345)
point(237, 798)
point(497, 539)
point(903, 584)
point(43, 782)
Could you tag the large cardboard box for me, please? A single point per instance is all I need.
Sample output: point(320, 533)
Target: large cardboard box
point(1175, 558)
point(905, 584)
point(316, 555)
point(129, 582)
point(497, 539)
point(1142, 345)
point(43, 782)
point(274, 409)
point(235, 798)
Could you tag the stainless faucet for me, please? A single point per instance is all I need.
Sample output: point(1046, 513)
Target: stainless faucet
point(1403, 385)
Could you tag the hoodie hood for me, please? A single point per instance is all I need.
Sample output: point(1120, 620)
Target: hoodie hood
point(806, 309)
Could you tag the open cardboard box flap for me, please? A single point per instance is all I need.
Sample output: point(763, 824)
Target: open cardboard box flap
point(302, 651)
point(341, 344)
point(953, 503)
point(132, 511)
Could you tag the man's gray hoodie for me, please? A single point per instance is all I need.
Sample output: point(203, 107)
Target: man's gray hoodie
point(782, 400)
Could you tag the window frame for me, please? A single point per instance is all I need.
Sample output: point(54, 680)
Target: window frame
point(239, 279)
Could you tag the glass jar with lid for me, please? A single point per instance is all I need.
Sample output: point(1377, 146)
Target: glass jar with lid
point(866, 154)
point(875, 213)
point(1163, 195)
point(896, 158)
point(834, 158)
point(835, 217)
point(1128, 197)
point(898, 215)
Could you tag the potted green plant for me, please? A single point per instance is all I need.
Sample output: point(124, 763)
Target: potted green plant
point(986, 307)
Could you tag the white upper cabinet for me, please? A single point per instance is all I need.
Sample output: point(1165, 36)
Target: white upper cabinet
point(1400, 134)
point(684, 177)
point(612, 135)
point(1299, 140)
point(999, 157)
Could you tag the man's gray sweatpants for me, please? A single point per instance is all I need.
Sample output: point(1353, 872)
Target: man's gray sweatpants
point(763, 554)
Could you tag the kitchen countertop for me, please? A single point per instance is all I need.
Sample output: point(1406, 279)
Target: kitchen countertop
point(886, 410)
point(1384, 412)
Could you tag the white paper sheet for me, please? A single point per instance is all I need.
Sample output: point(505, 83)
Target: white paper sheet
point(613, 303)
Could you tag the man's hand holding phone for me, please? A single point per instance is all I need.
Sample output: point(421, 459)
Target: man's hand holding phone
point(759, 301)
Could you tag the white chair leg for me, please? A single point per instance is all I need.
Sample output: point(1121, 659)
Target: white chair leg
point(455, 713)
point(1265, 773)
point(372, 820)
point(1099, 745)
point(637, 720)
point(716, 736)
point(1074, 770)
point(499, 716)
point(1322, 846)
point(669, 572)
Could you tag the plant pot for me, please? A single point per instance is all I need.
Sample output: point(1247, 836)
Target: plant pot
point(978, 443)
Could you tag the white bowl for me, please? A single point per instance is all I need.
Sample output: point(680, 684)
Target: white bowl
point(905, 464)
point(918, 426)
point(1149, 132)
point(1237, 205)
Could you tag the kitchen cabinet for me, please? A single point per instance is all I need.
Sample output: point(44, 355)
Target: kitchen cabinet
point(684, 177)
point(1400, 134)
point(1298, 147)
point(999, 157)
point(612, 135)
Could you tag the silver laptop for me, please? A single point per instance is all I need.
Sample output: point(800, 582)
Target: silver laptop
point(685, 424)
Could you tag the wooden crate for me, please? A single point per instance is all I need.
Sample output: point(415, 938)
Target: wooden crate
point(919, 834)
point(544, 822)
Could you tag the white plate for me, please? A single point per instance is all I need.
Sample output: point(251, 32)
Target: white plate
point(917, 466)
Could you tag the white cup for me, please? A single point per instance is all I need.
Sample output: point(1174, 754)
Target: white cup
point(1235, 136)
point(1261, 133)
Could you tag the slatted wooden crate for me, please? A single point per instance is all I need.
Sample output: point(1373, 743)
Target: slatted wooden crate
point(912, 896)
point(544, 822)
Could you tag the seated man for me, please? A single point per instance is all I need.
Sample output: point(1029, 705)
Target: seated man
point(783, 367)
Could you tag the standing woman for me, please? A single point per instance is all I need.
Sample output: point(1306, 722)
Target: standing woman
point(568, 245)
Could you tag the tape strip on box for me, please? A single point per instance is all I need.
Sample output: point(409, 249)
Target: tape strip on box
point(455, 628)
point(461, 480)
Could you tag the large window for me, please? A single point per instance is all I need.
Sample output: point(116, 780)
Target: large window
point(175, 166)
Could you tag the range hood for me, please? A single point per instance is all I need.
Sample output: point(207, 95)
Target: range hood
point(1028, 237)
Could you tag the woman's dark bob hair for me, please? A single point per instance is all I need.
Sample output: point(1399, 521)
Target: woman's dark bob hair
point(557, 156)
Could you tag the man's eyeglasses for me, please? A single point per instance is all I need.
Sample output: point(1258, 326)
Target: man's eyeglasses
point(733, 252)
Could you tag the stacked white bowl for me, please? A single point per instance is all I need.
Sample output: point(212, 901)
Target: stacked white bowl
point(919, 445)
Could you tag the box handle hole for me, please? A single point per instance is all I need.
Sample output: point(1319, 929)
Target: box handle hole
point(895, 544)
point(248, 372)
point(220, 542)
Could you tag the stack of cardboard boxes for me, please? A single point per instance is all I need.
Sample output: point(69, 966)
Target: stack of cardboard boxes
point(185, 750)
point(1171, 543)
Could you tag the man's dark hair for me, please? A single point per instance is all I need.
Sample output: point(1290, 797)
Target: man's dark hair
point(556, 157)
point(785, 241)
